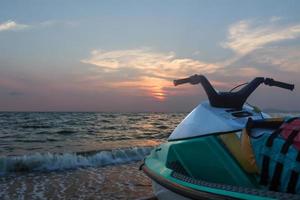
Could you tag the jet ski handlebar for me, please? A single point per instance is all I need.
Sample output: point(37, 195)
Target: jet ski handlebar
point(231, 99)
point(272, 82)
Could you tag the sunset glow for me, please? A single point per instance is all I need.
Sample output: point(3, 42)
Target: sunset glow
point(151, 87)
point(156, 87)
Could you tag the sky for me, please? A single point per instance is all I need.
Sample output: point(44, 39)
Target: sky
point(122, 55)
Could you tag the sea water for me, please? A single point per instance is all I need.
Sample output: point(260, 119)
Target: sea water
point(72, 155)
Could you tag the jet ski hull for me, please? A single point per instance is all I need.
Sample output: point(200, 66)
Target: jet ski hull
point(163, 193)
point(202, 169)
point(165, 189)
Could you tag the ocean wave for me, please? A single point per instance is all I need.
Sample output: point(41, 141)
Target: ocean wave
point(65, 132)
point(30, 140)
point(162, 127)
point(35, 126)
point(109, 127)
point(54, 161)
point(105, 121)
point(134, 119)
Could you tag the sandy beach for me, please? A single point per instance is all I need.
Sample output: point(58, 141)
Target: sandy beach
point(111, 182)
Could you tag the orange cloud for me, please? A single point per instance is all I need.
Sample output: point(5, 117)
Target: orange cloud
point(152, 71)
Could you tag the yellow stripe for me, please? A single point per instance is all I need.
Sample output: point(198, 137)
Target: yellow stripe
point(241, 150)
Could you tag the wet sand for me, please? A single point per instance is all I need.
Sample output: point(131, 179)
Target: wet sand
point(111, 182)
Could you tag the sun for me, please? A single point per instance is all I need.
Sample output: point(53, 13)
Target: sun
point(149, 86)
point(159, 96)
point(156, 87)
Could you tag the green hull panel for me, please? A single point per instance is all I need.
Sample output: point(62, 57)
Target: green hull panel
point(205, 159)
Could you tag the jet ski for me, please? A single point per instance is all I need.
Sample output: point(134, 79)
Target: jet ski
point(196, 163)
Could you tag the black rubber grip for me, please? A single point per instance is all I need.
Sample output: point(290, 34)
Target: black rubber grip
point(181, 81)
point(272, 82)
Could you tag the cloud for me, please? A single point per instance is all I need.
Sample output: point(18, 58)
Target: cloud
point(275, 19)
point(247, 35)
point(150, 63)
point(55, 23)
point(284, 58)
point(12, 25)
point(148, 70)
point(263, 45)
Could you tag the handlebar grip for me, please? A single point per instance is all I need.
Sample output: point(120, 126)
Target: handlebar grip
point(181, 81)
point(272, 82)
point(195, 79)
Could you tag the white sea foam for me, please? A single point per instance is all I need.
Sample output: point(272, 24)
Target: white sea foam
point(51, 162)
